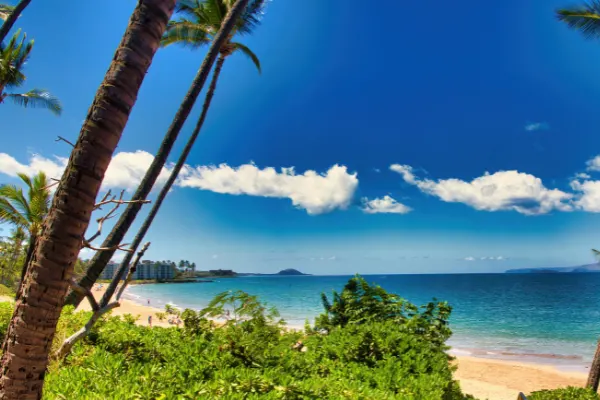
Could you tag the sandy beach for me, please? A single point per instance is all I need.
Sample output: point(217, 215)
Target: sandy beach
point(481, 377)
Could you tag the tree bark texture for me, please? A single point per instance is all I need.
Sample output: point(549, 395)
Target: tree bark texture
point(33, 324)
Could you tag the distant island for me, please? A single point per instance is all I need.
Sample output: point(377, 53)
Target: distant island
point(285, 272)
point(581, 269)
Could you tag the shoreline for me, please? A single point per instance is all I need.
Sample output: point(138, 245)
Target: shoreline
point(483, 377)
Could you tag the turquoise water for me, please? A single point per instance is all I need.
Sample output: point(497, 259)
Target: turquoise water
point(543, 317)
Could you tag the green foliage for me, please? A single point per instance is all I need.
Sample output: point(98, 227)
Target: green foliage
point(361, 303)
point(569, 393)
point(249, 357)
point(584, 18)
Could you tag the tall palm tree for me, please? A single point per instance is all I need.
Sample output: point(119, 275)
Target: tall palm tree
point(585, 18)
point(202, 20)
point(11, 14)
point(116, 235)
point(13, 57)
point(33, 324)
point(26, 212)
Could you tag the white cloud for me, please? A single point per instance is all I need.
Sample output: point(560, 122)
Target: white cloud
point(385, 205)
point(589, 199)
point(53, 167)
point(316, 193)
point(469, 258)
point(536, 126)
point(582, 175)
point(504, 190)
point(125, 171)
point(594, 164)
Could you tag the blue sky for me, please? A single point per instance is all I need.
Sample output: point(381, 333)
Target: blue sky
point(401, 106)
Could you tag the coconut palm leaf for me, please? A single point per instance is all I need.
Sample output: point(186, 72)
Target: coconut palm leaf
point(13, 57)
point(584, 18)
point(37, 98)
point(251, 17)
point(5, 11)
point(185, 33)
point(246, 51)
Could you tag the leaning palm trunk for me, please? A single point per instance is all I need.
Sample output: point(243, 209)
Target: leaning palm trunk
point(12, 18)
point(33, 324)
point(163, 192)
point(115, 237)
point(594, 376)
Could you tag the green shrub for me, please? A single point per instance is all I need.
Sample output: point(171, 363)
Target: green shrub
point(569, 393)
point(360, 303)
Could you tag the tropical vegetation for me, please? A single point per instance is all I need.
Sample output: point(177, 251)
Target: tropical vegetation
point(13, 56)
point(26, 213)
point(33, 323)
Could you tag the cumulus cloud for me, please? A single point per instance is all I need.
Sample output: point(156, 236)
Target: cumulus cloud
point(582, 175)
point(385, 205)
point(536, 126)
point(589, 199)
point(469, 258)
point(314, 192)
point(504, 190)
point(594, 164)
point(125, 171)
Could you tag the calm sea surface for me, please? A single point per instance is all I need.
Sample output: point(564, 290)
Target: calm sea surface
point(552, 318)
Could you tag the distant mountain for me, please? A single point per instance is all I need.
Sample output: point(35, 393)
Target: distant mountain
point(582, 269)
point(290, 271)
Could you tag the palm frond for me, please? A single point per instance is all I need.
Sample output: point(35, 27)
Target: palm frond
point(584, 18)
point(252, 16)
point(186, 33)
point(5, 11)
point(37, 98)
point(13, 205)
point(13, 57)
point(248, 53)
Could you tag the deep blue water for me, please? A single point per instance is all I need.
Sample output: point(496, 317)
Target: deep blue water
point(553, 317)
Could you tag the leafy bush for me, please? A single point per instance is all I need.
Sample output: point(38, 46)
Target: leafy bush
point(250, 357)
point(360, 303)
point(569, 393)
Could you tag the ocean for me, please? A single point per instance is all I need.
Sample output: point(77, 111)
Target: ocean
point(542, 318)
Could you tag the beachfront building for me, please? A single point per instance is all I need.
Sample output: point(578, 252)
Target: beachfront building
point(146, 270)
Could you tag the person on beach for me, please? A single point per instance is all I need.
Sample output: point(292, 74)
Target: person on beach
point(148, 301)
point(150, 320)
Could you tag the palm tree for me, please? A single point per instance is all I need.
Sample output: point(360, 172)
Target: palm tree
point(10, 15)
point(26, 212)
point(584, 18)
point(115, 237)
point(33, 324)
point(13, 57)
point(206, 19)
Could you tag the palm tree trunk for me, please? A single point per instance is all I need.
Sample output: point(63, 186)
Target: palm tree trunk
point(163, 192)
point(115, 237)
point(30, 247)
point(12, 18)
point(594, 376)
point(33, 324)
